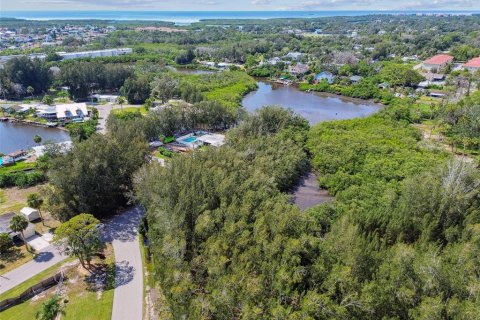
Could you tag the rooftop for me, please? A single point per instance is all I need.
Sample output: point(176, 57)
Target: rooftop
point(440, 59)
point(5, 222)
point(473, 63)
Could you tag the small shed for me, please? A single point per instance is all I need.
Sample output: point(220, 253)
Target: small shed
point(30, 213)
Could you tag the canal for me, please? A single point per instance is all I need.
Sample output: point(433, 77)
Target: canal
point(17, 136)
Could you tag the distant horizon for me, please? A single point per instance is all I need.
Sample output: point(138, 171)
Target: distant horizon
point(192, 16)
point(273, 10)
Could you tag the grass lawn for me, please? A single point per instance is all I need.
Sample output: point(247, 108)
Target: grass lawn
point(18, 255)
point(14, 199)
point(19, 166)
point(81, 299)
point(131, 109)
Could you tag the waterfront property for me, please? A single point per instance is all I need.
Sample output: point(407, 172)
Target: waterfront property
point(325, 75)
point(298, 70)
point(18, 155)
point(62, 112)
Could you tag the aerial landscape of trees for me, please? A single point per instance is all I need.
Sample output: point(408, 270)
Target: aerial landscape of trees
point(400, 238)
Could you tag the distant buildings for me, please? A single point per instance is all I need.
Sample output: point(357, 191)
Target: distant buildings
point(437, 63)
point(74, 55)
point(473, 65)
point(95, 54)
point(104, 97)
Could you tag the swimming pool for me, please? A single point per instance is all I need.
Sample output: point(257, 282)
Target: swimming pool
point(189, 139)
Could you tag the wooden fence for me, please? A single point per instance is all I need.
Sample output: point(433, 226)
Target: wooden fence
point(31, 292)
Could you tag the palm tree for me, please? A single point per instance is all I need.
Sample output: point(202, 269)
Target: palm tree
point(50, 309)
point(121, 100)
point(30, 91)
point(18, 224)
point(34, 201)
point(37, 139)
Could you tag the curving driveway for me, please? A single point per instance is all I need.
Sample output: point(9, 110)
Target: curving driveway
point(121, 231)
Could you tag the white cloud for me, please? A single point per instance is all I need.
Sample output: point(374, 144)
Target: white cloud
point(261, 2)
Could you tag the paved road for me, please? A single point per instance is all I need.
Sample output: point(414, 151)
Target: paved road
point(104, 111)
point(128, 294)
point(44, 260)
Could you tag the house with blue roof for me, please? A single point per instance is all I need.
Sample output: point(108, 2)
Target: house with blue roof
point(325, 75)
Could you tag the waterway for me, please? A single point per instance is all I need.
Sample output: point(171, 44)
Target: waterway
point(308, 194)
point(314, 107)
point(17, 136)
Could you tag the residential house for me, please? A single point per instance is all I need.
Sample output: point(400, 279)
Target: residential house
point(273, 61)
point(473, 65)
point(212, 139)
point(18, 155)
point(294, 55)
point(437, 63)
point(5, 220)
point(325, 75)
point(355, 79)
point(298, 70)
point(71, 111)
point(104, 97)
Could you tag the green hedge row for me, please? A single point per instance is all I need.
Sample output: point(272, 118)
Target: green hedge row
point(21, 179)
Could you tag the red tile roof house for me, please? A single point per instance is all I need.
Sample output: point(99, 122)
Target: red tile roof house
point(473, 65)
point(437, 63)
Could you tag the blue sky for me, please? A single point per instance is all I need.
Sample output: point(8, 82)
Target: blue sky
point(234, 5)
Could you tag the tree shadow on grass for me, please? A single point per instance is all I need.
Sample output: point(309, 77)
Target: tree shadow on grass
point(12, 255)
point(106, 277)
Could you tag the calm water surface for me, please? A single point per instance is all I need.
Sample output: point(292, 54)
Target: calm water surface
point(16, 136)
point(314, 107)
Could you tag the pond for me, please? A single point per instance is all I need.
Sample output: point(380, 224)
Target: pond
point(314, 107)
point(17, 136)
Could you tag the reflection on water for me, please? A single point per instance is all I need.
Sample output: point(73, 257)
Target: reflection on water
point(16, 136)
point(314, 107)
